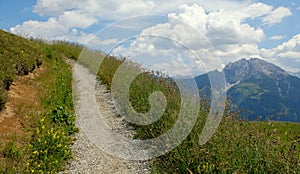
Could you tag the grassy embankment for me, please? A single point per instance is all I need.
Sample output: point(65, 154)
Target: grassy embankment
point(48, 126)
point(237, 146)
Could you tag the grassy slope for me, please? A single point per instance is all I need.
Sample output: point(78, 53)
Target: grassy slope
point(48, 125)
point(237, 146)
point(17, 57)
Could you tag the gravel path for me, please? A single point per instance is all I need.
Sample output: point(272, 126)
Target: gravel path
point(88, 158)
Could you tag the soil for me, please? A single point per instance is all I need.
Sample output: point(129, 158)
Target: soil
point(22, 92)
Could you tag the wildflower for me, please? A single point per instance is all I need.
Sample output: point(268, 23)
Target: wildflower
point(35, 152)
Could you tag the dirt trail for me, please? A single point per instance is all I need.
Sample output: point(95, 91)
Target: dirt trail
point(88, 158)
point(21, 93)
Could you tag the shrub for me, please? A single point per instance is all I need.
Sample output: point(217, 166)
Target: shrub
point(7, 81)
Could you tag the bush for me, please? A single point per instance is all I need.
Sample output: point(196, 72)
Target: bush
point(7, 81)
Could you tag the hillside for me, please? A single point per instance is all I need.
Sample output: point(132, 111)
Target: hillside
point(237, 146)
point(296, 74)
point(37, 116)
point(259, 88)
point(17, 57)
point(46, 123)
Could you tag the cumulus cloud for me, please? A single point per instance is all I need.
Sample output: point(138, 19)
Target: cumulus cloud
point(54, 7)
point(277, 15)
point(210, 28)
point(121, 8)
point(289, 49)
point(227, 31)
point(286, 55)
point(48, 29)
point(53, 30)
point(278, 37)
point(76, 19)
point(256, 10)
point(210, 34)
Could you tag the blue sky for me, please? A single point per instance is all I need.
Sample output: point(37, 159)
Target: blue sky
point(235, 29)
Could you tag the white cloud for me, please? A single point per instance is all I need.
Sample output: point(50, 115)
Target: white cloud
point(198, 24)
point(256, 10)
point(226, 31)
point(54, 7)
point(47, 30)
point(210, 35)
point(116, 9)
point(277, 15)
point(76, 19)
point(298, 8)
point(289, 49)
point(286, 55)
point(53, 30)
point(279, 37)
point(109, 41)
point(231, 5)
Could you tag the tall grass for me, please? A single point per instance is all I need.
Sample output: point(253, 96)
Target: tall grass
point(50, 124)
point(49, 147)
point(18, 56)
point(237, 146)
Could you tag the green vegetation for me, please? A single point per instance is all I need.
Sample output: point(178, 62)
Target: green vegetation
point(237, 146)
point(49, 147)
point(44, 147)
point(250, 91)
point(17, 57)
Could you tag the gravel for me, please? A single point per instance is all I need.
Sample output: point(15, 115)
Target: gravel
point(89, 158)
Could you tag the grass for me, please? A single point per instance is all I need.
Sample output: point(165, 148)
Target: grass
point(18, 56)
point(237, 146)
point(49, 146)
point(50, 125)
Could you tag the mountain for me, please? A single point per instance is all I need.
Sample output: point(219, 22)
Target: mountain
point(297, 74)
point(259, 88)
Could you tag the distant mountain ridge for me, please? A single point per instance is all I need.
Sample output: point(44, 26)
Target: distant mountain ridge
point(297, 74)
point(259, 88)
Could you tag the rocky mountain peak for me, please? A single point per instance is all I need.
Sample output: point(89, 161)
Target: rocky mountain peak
point(244, 69)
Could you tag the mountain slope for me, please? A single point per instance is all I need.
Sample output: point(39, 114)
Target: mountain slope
point(38, 122)
point(18, 56)
point(261, 89)
point(297, 74)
